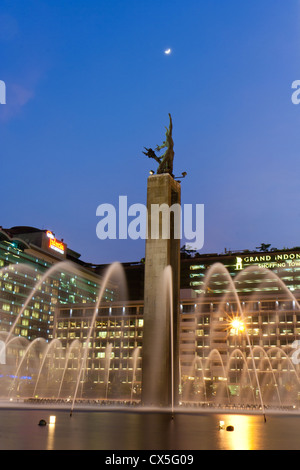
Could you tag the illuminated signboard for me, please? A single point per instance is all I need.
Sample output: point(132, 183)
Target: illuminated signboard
point(272, 260)
point(54, 244)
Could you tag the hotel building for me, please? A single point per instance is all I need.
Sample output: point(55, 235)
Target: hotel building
point(38, 272)
point(261, 289)
point(48, 292)
point(205, 326)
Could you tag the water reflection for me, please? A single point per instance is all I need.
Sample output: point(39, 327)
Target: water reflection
point(146, 431)
point(50, 437)
point(246, 434)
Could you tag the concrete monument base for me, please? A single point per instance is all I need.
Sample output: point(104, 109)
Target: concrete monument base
point(160, 366)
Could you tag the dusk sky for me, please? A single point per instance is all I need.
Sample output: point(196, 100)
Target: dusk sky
point(88, 86)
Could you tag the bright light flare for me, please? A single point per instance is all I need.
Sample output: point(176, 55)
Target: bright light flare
point(237, 325)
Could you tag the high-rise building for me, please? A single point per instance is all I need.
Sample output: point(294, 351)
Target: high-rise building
point(248, 268)
point(259, 291)
point(213, 350)
point(38, 272)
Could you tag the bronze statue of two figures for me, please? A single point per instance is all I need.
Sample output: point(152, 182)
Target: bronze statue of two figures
point(165, 161)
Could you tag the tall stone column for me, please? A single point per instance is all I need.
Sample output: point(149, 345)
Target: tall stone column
point(162, 250)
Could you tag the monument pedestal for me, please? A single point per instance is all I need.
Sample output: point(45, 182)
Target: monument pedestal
point(161, 305)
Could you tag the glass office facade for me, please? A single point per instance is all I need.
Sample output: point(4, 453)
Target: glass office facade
point(115, 345)
point(211, 352)
point(245, 286)
point(26, 289)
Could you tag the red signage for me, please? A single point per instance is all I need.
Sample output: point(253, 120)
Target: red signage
point(54, 244)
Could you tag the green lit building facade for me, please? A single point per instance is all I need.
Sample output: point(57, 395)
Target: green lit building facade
point(247, 268)
point(27, 255)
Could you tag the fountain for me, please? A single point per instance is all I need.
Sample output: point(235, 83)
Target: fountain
point(114, 268)
point(248, 375)
point(267, 371)
point(108, 351)
point(135, 357)
point(37, 359)
point(74, 346)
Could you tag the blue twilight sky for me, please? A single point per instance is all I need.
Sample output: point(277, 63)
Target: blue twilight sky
point(88, 86)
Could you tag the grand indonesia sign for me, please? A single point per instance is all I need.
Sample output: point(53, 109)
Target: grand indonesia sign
point(271, 260)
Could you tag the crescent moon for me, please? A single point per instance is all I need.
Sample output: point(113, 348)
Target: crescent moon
point(168, 51)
